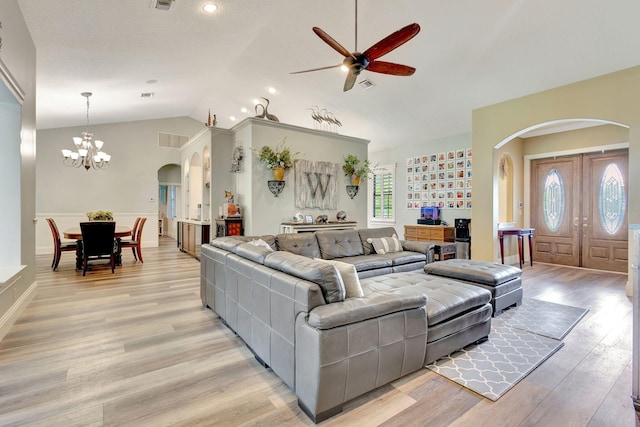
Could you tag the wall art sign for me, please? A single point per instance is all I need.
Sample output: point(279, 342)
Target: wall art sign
point(316, 184)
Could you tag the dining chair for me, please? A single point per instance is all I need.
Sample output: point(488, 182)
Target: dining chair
point(136, 240)
point(58, 245)
point(98, 242)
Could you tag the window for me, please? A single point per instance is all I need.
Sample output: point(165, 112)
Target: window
point(171, 203)
point(553, 200)
point(382, 193)
point(612, 199)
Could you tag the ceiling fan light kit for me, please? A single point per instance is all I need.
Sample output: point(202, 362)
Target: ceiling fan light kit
point(355, 62)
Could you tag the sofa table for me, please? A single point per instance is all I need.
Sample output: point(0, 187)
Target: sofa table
point(305, 227)
point(520, 232)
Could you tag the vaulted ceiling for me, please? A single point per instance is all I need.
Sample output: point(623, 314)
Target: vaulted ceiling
point(468, 54)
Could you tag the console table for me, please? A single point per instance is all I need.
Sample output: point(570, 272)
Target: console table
point(436, 233)
point(305, 227)
point(520, 232)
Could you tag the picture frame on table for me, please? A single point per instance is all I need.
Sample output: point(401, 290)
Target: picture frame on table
point(308, 219)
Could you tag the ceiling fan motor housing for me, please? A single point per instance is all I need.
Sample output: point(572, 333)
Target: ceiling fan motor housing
point(356, 63)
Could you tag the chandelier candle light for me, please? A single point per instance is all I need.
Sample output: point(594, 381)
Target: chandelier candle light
point(88, 152)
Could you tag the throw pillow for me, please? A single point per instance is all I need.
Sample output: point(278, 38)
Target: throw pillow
point(262, 243)
point(385, 245)
point(349, 277)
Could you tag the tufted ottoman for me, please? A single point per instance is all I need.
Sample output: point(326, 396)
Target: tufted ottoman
point(503, 281)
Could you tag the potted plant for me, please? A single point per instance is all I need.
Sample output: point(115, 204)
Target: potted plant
point(100, 215)
point(277, 160)
point(353, 169)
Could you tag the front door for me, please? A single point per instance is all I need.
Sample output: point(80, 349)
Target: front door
point(579, 210)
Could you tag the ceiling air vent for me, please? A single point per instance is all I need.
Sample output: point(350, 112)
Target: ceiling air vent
point(162, 4)
point(366, 84)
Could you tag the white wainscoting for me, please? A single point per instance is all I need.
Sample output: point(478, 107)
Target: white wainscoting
point(44, 241)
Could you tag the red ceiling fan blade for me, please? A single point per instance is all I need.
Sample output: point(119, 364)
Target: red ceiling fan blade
point(316, 69)
point(349, 82)
point(390, 68)
point(392, 41)
point(331, 42)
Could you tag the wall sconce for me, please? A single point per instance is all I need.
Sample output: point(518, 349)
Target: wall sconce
point(352, 190)
point(275, 187)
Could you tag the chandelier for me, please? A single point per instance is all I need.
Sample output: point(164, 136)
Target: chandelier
point(88, 152)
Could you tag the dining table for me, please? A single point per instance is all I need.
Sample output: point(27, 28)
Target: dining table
point(75, 233)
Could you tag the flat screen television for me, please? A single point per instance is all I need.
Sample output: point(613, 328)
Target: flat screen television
point(430, 212)
point(429, 215)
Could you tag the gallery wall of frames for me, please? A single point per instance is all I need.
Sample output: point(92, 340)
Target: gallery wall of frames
point(440, 179)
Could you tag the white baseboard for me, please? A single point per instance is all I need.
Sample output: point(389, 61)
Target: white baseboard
point(10, 317)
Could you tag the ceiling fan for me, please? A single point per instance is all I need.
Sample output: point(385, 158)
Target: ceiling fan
point(356, 61)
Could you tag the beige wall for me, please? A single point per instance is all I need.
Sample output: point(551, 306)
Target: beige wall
point(612, 97)
point(577, 140)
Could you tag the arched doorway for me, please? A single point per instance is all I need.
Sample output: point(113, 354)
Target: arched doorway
point(169, 195)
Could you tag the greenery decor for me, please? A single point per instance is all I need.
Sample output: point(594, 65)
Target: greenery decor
point(352, 167)
point(100, 215)
point(282, 157)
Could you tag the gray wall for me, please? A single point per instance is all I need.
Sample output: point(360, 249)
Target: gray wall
point(398, 155)
point(126, 187)
point(18, 58)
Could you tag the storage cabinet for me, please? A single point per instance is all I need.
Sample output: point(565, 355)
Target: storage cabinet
point(191, 234)
point(436, 233)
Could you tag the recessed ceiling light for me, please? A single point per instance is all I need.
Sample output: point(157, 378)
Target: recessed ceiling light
point(271, 89)
point(152, 81)
point(232, 118)
point(244, 110)
point(209, 7)
point(255, 101)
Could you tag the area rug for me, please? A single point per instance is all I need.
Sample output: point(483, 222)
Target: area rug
point(518, 343)
point(543, 318)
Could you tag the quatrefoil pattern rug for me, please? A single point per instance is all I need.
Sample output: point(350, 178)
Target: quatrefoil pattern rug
point(512, 351)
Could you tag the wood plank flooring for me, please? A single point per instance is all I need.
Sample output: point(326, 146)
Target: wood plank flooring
point(136, 348)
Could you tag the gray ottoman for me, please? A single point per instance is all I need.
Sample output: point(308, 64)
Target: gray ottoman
point(503, 281)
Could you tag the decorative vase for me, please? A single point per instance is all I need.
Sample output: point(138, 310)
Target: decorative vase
point(355, 179)
point(278, 174)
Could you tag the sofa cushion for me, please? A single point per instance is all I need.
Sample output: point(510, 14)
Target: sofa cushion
point(383, 245)
point(369, 262)
point(372, 233)
point(405, 257)
point(349, 277)
point(324, 275)
point(338, 244)
point(375, 305)
point(228, 243)
point(304, 244)
point(486, 273)
point(446, 298)
point(252, 252)
point(261, 243)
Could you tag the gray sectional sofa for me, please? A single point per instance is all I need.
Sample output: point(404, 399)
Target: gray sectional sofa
point(294, 311)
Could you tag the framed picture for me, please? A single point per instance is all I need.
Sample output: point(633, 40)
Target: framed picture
point(451, 175)
point(460, 154)
point(410, 162)
point(442, 157)
point(451, 155)
point(308, 219)
point(469, 152)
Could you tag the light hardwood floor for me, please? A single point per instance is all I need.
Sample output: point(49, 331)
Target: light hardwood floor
point(136, 348)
